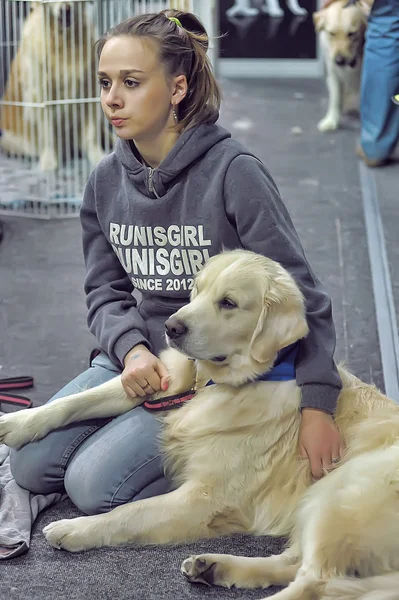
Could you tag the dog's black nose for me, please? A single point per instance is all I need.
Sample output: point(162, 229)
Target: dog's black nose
point(340, 60)
point(175, 328)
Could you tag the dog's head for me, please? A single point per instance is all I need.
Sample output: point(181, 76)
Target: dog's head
point(344, 23)
point(244, 308)
point(65, 14)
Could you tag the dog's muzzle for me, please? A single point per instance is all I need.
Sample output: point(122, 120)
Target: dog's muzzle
point(341, 61)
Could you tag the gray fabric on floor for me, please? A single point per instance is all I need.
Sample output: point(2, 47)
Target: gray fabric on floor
point(18, 510)
point(44, 333)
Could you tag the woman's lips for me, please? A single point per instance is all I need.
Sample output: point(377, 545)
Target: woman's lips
point(117, 122)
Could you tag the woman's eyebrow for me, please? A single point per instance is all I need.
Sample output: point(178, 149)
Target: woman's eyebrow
point(122, 72)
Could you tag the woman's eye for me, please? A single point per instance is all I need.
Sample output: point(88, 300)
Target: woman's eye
point(130, 83)
point(103, 83)
point(227, 303)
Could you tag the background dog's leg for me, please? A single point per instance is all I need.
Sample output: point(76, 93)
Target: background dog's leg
point(91, 143)
point(179, 516)
point(226, 570)
point(48, 156)
point(106, 400)
point(331, 120)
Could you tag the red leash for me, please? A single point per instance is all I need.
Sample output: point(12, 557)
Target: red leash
point(15, 383)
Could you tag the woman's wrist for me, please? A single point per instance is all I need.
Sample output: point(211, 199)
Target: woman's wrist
point(135, 350)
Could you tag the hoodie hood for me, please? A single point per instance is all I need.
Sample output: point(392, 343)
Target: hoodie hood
point(190, 146)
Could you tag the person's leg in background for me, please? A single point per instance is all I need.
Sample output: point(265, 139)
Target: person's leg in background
point(380, 82)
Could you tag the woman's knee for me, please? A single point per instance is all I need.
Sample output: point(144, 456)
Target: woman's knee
point(116, 463)
point(32, 470)
point(94, 487)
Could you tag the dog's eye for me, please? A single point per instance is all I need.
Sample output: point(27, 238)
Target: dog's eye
point(331, 33)
point(227, 303)
point(352, 33)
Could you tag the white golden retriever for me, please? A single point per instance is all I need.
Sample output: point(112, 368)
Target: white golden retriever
point(232, 449)
point(52, 74)
point(342, 25)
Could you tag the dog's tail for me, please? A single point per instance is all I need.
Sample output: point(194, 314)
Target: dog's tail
point(379, 587)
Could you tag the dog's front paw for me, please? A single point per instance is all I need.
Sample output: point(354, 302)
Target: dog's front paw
point(73, 535)
point(328, 124)
point(18, 428)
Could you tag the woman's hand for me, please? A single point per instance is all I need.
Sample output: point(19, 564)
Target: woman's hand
point(144, 373)
point(319, 441)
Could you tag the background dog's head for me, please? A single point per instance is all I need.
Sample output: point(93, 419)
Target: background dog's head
point(344, 24)
point(64, 14)
point(244, 308)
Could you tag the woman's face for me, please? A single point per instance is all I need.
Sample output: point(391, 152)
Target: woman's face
point(136, 94)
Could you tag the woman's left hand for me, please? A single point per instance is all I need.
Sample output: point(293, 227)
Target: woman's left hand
point(319, 441)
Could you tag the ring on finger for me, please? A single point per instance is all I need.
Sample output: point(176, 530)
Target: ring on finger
point(335, 460)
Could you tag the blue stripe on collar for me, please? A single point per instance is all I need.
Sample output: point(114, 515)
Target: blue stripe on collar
point(283, 368)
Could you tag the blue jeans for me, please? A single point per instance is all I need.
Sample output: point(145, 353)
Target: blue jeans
point(100, 463)
point(380, 81)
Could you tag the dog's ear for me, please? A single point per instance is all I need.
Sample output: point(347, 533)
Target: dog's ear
point(319, 18)
point(281, 323)
point(365, 6)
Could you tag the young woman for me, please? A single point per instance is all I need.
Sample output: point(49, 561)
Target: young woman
point(176, 190)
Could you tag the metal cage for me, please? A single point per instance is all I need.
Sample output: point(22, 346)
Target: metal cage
point(52, 130)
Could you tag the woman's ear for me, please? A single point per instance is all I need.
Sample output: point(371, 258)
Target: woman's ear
point(180, 89)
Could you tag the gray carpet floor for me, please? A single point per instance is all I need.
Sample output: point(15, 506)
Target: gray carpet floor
point(43, 326)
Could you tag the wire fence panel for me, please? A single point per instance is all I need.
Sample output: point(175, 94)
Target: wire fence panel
point(52, 129)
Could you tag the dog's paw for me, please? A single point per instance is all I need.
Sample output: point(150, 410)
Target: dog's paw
point(328, 124)
point(48, 160)
point(17, 429)
point(213, 569)
point(73, 535)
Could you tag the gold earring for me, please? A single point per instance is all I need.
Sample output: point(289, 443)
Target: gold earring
point(174, 113)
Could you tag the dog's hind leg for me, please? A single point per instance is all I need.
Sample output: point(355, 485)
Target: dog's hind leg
point(226, 570)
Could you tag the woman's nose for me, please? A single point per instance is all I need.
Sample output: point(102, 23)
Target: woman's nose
point(113, 98)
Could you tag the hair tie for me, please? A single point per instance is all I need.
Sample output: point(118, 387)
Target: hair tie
point(175, 21)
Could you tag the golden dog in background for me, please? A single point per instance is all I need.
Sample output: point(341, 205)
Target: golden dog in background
point(342, 25)
point(55, 60)
point(232, 449)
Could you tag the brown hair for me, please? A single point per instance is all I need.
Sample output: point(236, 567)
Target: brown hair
point(182, 50)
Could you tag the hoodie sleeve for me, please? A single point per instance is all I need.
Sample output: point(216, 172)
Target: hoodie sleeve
point(254, 206)
point(112, 310)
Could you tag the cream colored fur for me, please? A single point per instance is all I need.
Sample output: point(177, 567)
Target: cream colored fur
point(342, 30)
point(232, 451)
point(53, 62)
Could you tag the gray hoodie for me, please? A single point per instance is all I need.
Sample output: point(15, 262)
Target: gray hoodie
point(153, 229)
